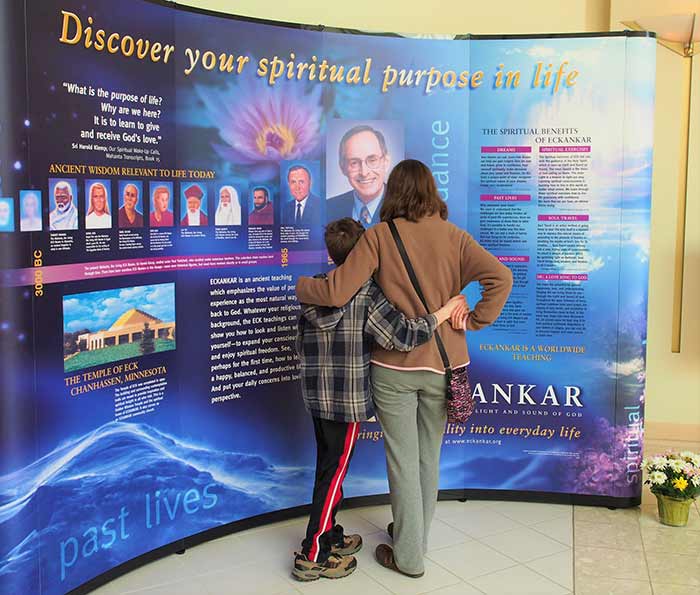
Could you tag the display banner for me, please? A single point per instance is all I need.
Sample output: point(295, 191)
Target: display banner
point(166, 175)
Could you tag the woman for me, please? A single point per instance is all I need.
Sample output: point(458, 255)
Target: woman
point(228, 211)
point(409, 388)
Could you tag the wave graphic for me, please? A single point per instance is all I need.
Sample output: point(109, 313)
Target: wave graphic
point(524, 473)
point(122, 490)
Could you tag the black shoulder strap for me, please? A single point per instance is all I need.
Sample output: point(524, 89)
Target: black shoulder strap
point(419, 291)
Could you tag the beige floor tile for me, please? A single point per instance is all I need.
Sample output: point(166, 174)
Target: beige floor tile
point(353, 522)
point(271, 526)
point(663, 539)
point(379, 516)
point(674, 568)
point(470, 560)
point(443, 535)
point(558, 568)
point(529, 513)
point(218, 554)
point(247, 579)
point(596, 562)
point(276, 544)
point(161, 572)
point(458, 589)
point(107, 589)
point(620, 537)
point(447, 509)
point(561, 529)
point(673, 589)
point(599, 514)
point(518, 580)
point(524, 544)
point(358, 582)
point(435, 576)
point(594, 585)
point(370, 541)
point(187, 587)
point(480, 522)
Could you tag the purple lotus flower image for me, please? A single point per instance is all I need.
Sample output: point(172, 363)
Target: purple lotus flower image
point(261, 126)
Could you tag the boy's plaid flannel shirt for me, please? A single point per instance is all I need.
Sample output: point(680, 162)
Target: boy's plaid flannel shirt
point(335, 346)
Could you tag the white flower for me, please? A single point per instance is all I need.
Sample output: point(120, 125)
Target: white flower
point(677, 465)
point(657, 477)
point(695, 480)
point(695, 460)
point(659, 463)
point(686, 454)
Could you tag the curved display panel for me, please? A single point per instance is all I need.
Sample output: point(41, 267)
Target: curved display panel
point(150, 161)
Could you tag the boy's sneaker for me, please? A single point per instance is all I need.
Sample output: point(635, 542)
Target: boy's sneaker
point(334, 567)
point(351, 545)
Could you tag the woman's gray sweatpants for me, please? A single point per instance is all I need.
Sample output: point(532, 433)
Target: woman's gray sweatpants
point(411, 409)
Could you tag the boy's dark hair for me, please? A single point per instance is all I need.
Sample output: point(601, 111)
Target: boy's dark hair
point(341, 237)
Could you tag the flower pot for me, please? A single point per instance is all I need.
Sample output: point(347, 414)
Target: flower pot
point(673, 511)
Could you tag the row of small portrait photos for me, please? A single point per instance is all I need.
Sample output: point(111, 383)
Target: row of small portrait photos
point(65, 209)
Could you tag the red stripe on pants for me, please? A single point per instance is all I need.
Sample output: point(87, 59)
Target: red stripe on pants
point(333, 494)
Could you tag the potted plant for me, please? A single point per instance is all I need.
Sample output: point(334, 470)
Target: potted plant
point(674, 478)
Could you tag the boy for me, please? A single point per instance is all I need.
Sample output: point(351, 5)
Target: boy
point(334, 347)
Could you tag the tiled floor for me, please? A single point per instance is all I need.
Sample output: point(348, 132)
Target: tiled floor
point(476, 547)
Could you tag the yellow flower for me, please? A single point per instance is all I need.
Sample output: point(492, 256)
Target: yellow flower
point(680, 483)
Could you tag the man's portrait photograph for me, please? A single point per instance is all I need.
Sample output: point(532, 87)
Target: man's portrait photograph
point(63, 213)
point(359, 158)
point(263, 212)
point(301, 186)
point(193, 205)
